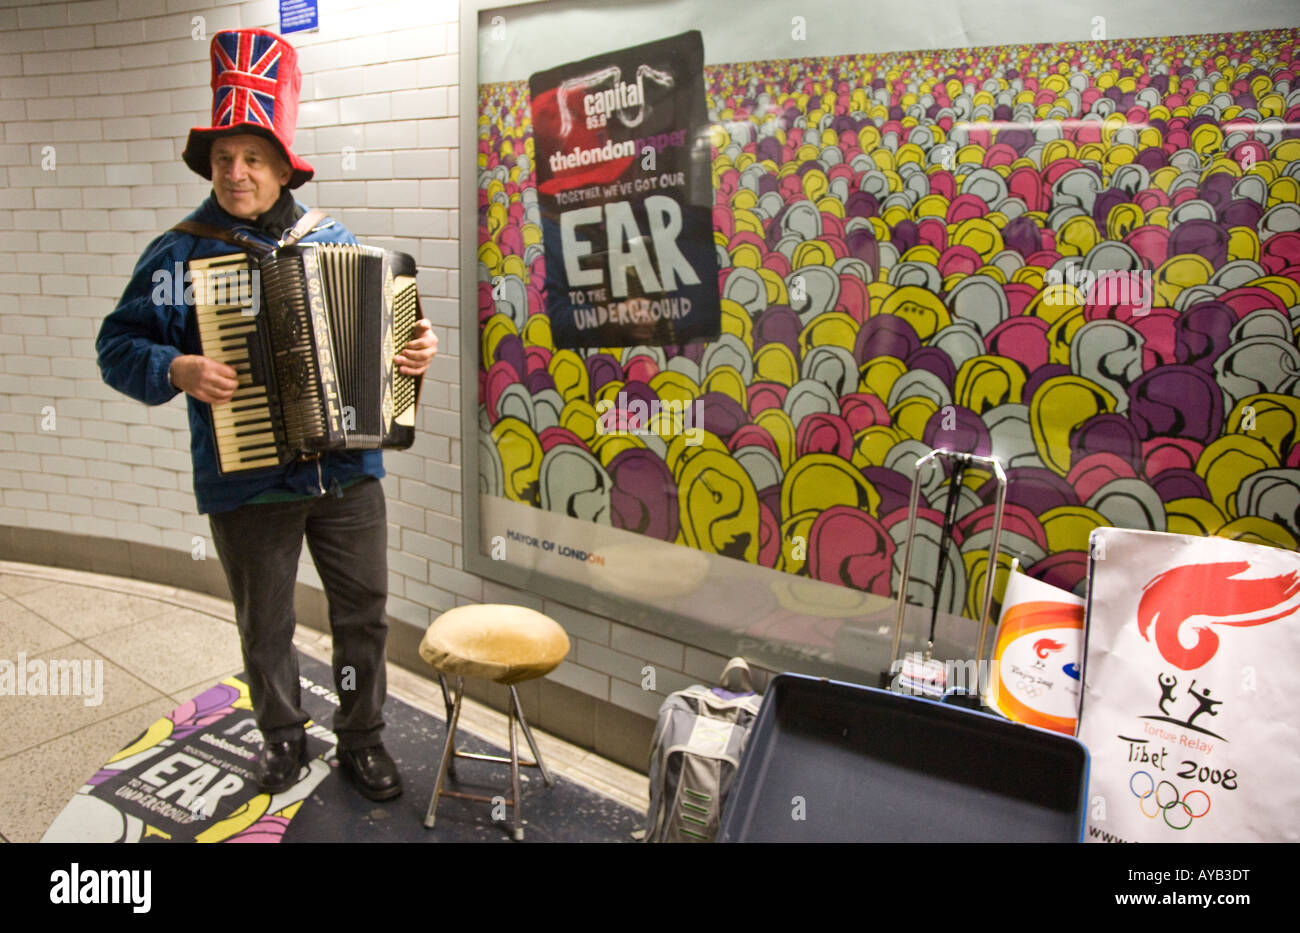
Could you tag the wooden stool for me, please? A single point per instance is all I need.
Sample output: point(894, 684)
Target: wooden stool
point(506, 644)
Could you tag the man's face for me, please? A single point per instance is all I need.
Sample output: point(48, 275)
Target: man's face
point(247, 174)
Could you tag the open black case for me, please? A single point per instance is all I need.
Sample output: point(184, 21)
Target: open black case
point(836, 762)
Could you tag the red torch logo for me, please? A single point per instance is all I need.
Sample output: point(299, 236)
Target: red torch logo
point(1211, 595)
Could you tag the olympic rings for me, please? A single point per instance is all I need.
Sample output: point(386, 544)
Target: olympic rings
point(1150, 780)
point(1163, 808)
point(1183, 804)
point(1197, 816)
point(1172, 802)
point(1030, 688)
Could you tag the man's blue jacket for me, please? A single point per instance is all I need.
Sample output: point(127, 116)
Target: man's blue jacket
point(153, 324)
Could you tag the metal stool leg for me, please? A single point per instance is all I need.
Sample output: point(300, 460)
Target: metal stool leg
point(448, 751)
point(532, 744)
point(446, 700)
point(514, 779)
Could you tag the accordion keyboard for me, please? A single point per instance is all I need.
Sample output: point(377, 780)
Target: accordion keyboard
point(225, 295)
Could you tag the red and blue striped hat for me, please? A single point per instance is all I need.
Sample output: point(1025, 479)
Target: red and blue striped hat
point(255, 88)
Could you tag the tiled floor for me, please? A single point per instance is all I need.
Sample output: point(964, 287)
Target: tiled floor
point(160, 646)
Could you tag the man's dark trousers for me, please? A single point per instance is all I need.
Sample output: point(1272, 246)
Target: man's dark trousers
point(347, 536)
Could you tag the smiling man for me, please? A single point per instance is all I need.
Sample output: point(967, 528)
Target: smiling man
point(247, 175)
point(149, 349)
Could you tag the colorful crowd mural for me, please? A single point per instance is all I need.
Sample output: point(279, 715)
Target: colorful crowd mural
point(1081, 258)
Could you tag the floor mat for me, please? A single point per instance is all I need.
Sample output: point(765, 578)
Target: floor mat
point(189, 777)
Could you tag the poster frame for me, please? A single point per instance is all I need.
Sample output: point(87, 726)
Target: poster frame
point(1147, 20)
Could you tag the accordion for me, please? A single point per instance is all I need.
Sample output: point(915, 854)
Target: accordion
point(311, 331)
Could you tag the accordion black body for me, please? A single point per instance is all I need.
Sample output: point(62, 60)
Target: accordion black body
point(312, 331)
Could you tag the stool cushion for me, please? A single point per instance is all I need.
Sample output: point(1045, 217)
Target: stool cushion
point(506, 644)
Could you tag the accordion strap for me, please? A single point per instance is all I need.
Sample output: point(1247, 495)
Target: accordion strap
point(245, 242)
point(303, 226)
point(233, 237)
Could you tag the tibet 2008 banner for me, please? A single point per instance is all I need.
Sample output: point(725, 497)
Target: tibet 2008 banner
point(623, 182)
point(1189, 707)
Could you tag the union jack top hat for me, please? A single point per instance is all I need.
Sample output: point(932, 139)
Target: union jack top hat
point(255, 88)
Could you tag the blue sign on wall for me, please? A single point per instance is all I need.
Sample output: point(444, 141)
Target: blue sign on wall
point(298, 16)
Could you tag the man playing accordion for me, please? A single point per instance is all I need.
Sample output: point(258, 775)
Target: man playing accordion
point(149, 348)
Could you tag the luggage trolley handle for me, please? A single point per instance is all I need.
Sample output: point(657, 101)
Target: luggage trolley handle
point(964, 459)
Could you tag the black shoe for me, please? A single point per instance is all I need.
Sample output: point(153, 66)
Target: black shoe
point(279, 764)
point(373, 770)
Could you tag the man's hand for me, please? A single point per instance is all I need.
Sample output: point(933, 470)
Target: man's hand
point(415, 357)
point(205, 379)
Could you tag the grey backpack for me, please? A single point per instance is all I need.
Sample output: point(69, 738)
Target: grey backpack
point(696, 751)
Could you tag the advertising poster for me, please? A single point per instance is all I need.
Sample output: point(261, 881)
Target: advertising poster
point(1081, 257)
point(191, 777)
point(1190, 711)
point(622, 156)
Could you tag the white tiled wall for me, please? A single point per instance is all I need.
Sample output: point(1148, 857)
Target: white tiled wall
point(96, 100)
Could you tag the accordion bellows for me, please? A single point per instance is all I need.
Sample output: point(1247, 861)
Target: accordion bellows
point(312, 331)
